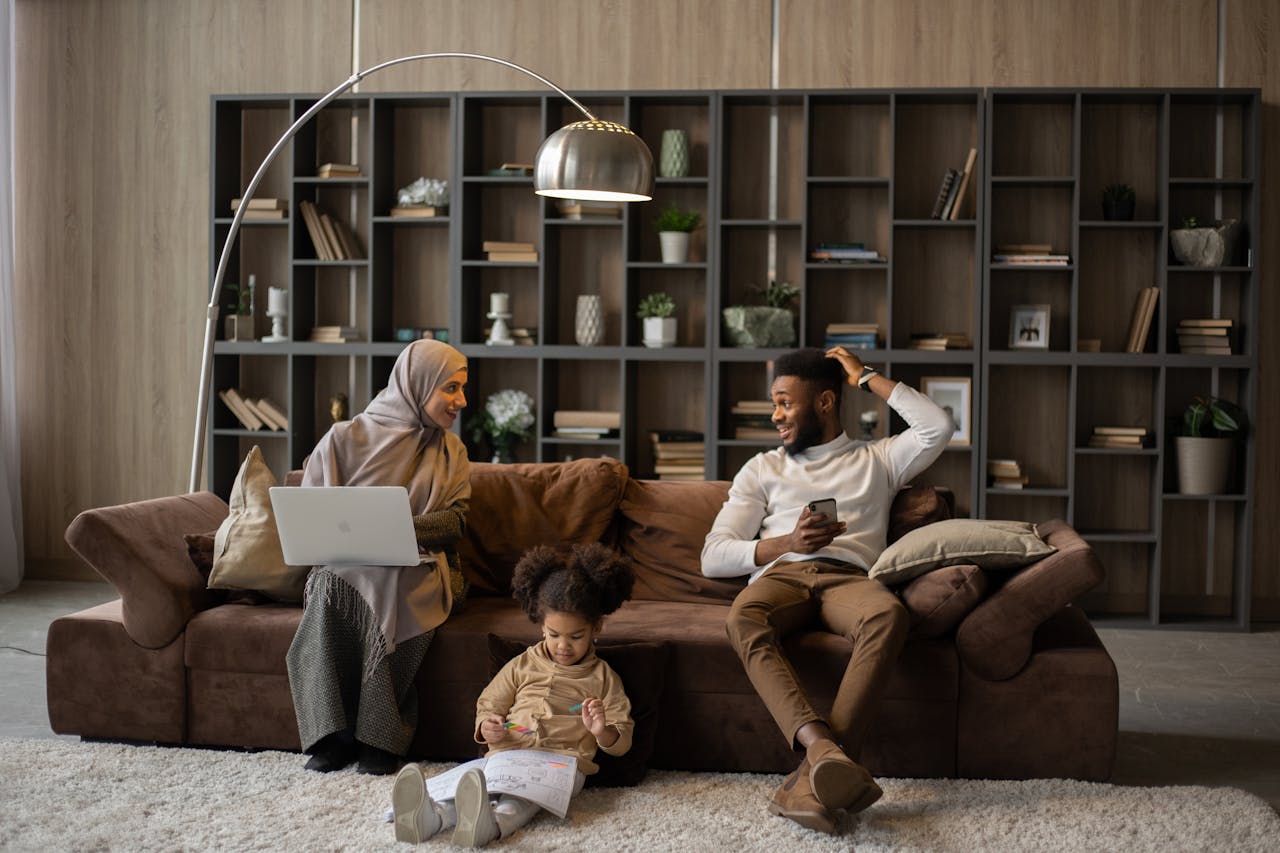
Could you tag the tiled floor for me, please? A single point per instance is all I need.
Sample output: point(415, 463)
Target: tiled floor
point(1196, 708)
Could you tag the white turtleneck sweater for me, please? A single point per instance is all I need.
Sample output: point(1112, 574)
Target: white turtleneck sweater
point(773, 487)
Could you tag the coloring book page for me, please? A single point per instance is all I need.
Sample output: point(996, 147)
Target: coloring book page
point(546, 778)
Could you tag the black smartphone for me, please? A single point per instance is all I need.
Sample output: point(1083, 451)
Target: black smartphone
point(826, 506)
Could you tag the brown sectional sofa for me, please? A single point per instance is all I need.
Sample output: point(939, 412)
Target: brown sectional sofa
point(1021, 687)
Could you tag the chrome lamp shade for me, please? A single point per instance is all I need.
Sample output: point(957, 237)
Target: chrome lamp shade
point(594, 160)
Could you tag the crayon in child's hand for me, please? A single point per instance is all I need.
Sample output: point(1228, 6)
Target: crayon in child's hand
point(519, 728)
point(577, 707)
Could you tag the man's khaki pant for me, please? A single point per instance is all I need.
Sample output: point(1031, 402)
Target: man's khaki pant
point(834, 597)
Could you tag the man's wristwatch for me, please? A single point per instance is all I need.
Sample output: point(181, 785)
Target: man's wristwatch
point(867, 373)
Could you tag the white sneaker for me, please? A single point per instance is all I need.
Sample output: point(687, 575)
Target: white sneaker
point(415, 814)
point(476, 824)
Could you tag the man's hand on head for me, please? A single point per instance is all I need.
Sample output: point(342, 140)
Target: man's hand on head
point(851, 363)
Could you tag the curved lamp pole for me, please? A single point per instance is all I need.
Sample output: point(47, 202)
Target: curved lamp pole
point(591, 159)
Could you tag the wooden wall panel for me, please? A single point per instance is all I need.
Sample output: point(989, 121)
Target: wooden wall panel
point(614, 44)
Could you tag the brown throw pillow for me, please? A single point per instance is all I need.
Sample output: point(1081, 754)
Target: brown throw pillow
point(246, 549)
point(915, 507)
point(642, 668)
point(938, 601)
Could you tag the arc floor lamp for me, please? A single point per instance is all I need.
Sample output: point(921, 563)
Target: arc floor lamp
point(591, 159)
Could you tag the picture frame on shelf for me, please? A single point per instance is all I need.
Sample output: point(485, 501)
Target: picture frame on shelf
point(1029, 327)
point(955, 395)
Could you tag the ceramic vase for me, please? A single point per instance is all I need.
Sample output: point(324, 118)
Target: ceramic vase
point(673, 159)
point(588, 321)
point(674, 246)
point(659, 332)
point(1204, 465)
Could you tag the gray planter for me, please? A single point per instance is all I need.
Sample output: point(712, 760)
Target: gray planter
point(759, 326)
point(1204, 465)
point(1205, 247)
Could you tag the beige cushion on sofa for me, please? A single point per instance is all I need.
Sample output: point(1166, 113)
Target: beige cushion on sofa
point(246, 549)
point(986, 544)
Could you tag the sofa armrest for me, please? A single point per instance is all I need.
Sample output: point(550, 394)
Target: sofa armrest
point(138, 547)
point(995, 640)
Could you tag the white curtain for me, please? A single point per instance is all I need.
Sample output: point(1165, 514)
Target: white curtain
point(10, 482)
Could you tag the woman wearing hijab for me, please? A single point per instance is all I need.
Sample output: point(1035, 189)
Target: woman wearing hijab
point(366, 629)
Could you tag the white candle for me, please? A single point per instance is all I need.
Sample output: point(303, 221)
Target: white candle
point(498, 303)
point(277, 301)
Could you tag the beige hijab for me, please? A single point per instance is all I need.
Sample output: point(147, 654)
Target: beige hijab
point(394, 443)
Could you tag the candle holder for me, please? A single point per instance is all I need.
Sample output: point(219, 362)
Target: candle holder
point(277, 310)
point(499, 313)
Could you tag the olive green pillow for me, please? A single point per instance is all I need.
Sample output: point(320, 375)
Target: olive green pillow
point(990, 545)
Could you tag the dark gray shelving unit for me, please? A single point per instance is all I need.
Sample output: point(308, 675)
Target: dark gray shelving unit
point(774, 173)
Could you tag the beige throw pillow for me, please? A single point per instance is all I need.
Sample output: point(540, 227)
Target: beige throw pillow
point(990, 545)
point(246, 549)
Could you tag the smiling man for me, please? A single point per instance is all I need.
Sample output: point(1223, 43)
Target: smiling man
point(808, 570)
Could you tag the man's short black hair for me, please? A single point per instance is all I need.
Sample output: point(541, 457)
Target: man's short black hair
point(813, 366)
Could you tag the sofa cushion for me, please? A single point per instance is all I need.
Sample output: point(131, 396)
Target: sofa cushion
point(995, 641)
point(663, 527)
point(988, 544)
point(917, 506)
point(246, 549)
point(138, 547)
point(939, 601)
point(200, 550)
point(642, 667)
point(514, 507)
point(236, 638)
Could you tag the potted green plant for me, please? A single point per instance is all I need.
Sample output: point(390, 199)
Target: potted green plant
point(1118, 201)
point(1204, 246)
point(769, 325)
point(1210, 430)
point(674, 226)
point(655, 309)
point(239, 323)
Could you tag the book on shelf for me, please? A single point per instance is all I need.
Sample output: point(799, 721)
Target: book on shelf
point(853, 252)
point(600, 419)
point(509, 170)
point(1024, 248)
point(1203, 340)
point(1031, 259)
point(949, 178)
point(311, 218)
point(852, 328)
point(859, 341)
point(417, 211)
point(271, 410)
point(748, 433)
point(407, 334)
point(234, 401)
point(1006, 474)
point(1120, 430)
point(513, 257)
point(507, 246)
point(938, 341)
point(335, 334)
point(520, 335)
point(1191, 349)
point(1206, 323)
point(580, 209)
point(675, 436)
point(954, 211)
point(338, 170)
point(1144, 308)
point(584, 433)
point(251, 214)
point(1010, 482)
point(261, 204)
point(752, 407)
point(1118, 437)
point(1207, 336)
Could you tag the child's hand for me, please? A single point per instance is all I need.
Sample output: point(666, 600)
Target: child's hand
point(493, 730)
point(593, 719)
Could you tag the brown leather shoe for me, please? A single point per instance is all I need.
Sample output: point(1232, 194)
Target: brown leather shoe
point(837, 780)
point(795, 801)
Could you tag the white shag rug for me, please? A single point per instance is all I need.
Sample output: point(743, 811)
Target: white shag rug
point(66, 795)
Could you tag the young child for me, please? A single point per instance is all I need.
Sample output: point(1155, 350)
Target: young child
point(568, 594)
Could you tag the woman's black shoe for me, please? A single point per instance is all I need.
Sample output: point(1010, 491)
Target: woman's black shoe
point(378, 762)
point(332, 752)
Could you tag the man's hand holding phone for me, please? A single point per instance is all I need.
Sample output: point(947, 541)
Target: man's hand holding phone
point(817, 526)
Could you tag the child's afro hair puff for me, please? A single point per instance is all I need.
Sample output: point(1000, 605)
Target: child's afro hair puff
point(590, 580)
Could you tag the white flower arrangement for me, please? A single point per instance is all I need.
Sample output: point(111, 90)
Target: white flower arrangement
point(506, 420)
point(433, 192)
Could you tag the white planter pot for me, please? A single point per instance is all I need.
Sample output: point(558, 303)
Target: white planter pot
point(1204, 465)
point(659, 332)
point(674, 245)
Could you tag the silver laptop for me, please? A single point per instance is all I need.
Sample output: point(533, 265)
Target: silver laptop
point(345, 525)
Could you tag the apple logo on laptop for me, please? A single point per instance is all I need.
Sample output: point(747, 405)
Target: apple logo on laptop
point(344, 527)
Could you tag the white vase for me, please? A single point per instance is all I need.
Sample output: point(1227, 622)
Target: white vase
point(588, 321)
point(659, 332)
point(674, 245)
point(673, 159)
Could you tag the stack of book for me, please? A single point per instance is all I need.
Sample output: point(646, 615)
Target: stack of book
point(573, 208)
point(853, 336)
point(263, 208)
point(338, 170)
point(418, 211)
point(1144, 308)
point(753, 420)
point(939, 341)
point(678, 455)
point(955, 184)
point(254, 414)
point(335, 334)
point(1208, 336)
point(332, 239)
point(428, 333)
point(586, 425)
point(506, 251)
point(520, 335)
point(512, 170)
point(1029, 255)
point(845, 253)
point(1118, 437)
point(1006, 474)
